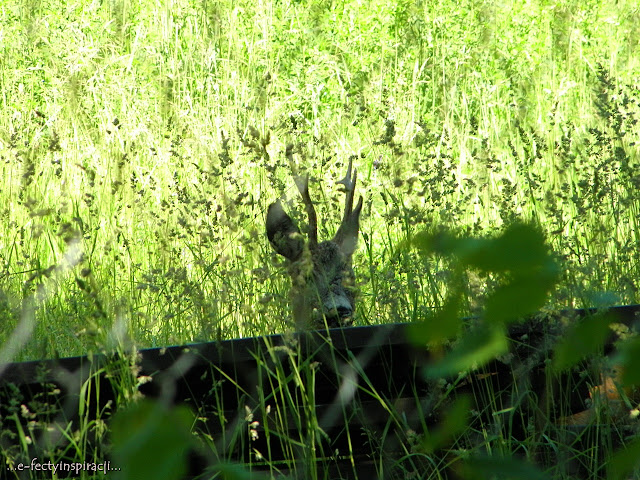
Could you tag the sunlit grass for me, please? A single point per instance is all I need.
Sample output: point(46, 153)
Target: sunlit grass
point(154, 135)
point(141, 142)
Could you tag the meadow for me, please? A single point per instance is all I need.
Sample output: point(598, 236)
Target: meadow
point(141, 143)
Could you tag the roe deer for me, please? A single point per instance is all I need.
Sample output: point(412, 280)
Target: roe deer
point(323, 283)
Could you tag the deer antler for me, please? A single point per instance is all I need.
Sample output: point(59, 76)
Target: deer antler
point(303, 187)
point(350, 187)
point(347, 234)
point(322, 291)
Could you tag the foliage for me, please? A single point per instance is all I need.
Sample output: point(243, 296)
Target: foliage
point(140, 143)
point(151, 138)
point(150, 440)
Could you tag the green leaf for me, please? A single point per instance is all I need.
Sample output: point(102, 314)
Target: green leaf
point(151, 441)
point(521, 249)
point(585, 338)
point(483, 468)
point(476, 348)
point(624, 462)
point(443, 243)
point(518, 298)
point(233, 471)
point(438, 327)
point(630, 353)
point(454, 422)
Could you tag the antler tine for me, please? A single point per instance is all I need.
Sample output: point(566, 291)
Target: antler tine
point(347, 234)
point(303, 187)
point(350, 187)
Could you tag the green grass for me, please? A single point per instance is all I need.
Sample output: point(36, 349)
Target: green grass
point(148, 139)
point(141, 142)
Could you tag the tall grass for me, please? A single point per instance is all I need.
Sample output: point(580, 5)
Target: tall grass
point(153, 134)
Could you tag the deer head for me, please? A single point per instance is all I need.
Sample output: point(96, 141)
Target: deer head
point(323, 283)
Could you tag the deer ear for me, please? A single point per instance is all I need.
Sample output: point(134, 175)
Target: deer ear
point(347, 235)
point(283, 233)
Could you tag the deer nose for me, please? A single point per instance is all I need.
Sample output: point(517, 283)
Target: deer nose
point(337, 309)
point(339, 317)
point(339, 304)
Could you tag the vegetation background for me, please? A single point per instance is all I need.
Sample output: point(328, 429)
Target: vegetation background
point(141, 142)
